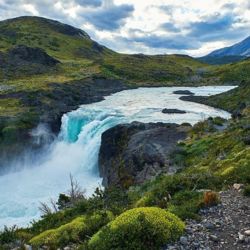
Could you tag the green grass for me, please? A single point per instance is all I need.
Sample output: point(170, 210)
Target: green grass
point(164, 69)
point(232, 100)
point(48, 35)
point(10, 107)
point(232, 73)
point(71, 50)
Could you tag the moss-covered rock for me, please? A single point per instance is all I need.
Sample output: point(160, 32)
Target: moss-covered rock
point(139, 228)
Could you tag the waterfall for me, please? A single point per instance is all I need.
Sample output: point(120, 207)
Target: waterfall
point(76, 149)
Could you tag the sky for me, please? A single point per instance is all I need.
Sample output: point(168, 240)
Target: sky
point(193, 27)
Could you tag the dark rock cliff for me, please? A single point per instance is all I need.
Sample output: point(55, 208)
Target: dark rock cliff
point(133, 153)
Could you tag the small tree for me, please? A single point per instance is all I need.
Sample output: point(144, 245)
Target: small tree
point(75, 192)
point(47, 209)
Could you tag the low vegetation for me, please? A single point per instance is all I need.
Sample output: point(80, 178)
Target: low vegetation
point(138, 228)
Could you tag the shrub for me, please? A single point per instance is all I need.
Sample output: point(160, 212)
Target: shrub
point(138, 228)
point(57, 237)
point(8, 235)
point(246, 191)
point(160, 199)
point(144, 201)
point(219, 121)
point(210, 199)
point(186, 204)
point(76, 231)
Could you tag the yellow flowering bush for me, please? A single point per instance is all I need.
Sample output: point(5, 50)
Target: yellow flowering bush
point(78, 230)
point(139, 229)
point(56, 237)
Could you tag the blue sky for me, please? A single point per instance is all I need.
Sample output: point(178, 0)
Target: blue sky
point(193, 27)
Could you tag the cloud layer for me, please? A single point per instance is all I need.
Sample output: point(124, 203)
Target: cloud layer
point(137, 26)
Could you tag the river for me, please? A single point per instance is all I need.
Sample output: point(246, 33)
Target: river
point(75, 151)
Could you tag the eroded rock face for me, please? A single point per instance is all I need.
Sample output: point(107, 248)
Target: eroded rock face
point(133, 153)
point(24, 61)
point(23, 54)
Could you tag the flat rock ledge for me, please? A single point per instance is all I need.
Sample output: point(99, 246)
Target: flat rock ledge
point(226, 226)
point(173, 111)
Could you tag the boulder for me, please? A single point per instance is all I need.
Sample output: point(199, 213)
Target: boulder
point(238, 186)
point(247, 232)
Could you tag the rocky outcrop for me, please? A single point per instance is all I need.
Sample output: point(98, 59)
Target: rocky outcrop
point(23, 55)
point(24, 60)
point(133, 153)
point(173, 111)
point(183, 92)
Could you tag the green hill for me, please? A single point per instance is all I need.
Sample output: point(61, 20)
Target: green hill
point(59, 40)
point(81, 57)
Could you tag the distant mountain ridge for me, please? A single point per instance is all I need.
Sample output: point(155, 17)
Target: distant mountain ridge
point(239, 49)
point(234, 53)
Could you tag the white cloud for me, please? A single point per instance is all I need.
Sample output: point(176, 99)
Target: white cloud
point(177, 22)
point(30, 8)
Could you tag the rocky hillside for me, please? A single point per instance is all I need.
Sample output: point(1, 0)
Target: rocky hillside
point(66, 43)
point(57, 39)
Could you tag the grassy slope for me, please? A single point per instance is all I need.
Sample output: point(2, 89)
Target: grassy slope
point(78, 53)
point(150, 70)
point(232, 73)
point(220, 60)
